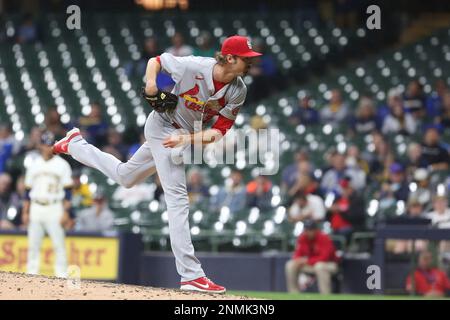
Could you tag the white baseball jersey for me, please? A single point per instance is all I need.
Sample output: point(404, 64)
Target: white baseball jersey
point(47, 179)
point(194, 86)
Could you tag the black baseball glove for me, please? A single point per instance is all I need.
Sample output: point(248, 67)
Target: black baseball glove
point(162, 101)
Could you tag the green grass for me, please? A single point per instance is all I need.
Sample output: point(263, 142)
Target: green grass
point(316, 296)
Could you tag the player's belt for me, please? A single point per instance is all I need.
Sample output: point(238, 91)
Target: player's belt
point(44, 203)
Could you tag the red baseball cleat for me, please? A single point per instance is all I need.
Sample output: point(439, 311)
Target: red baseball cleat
point(202, 284)
point(62, 146)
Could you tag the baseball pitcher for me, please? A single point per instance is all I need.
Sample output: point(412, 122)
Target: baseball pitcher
point(48, 183)
point(205, 88)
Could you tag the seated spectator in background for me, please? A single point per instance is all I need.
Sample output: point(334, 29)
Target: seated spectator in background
point(339, 170)
point(7, 146)
point(98, 218)
point(414, 100)
point(94, 128)
point(428, 280)
point(347, 213)
point(264, 73)
point(377, 158)
point(259, 193)
point(355, 161)
point(434, 102)
point(422, 191)
point(394, 96)
point(53, 123)
point(232, 194)
point(205, 46)
point(114, 141)
point(314, 254)
point(305, 113)
point(414, 210)
point(444, 115)
point(291, 172)
point(198, 191)
point(440, 216)
point(397, 185)
point(179, 48)
point(28, 31)
point(364, 121)
point(305, 183)
point(399, 122)
point(7, 198)
point(138, 68)
point(306, 207)
point(33, 140)
point(336, 111)
point(135, 146)
point(81, 195)
point(414, 160)
point(434, 154)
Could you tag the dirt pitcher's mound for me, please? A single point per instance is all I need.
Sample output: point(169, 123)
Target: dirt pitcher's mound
point(14, 286)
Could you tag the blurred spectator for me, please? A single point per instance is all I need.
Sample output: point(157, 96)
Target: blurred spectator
point(355, 161)
point(394, 96)
point(399, 122)
point(397, 186)
point(17, 202)
point(306, 207)
point(53, 123)
point(347, 213)
point(305, 113)
point(414, 160)
point(414, 100)
point(336, 111)
point(114, 141)
point(304, 183)
point(314, 254)
point(259, 193)
point(7, 146)
point(97, 218)
point(264, 74)
point(6, 200)
point(365, 120)
point(292, 171)
point(414, 210)
point(28, 30)
point(135, 146)
point(339, 170)
point(440, 216)
point(138, 68)
point(444, 114)
point(421, 189)
point(94, 127)
point(33, 140)
point(198, 191)
point(378, 156)
point(435, 101)
point(81, 194)
point(232, 194)
point(179, 48)
point(205, 46)
point(428, 280)
point(434, 154)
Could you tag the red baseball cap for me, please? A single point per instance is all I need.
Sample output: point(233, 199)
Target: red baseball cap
point(238, 46)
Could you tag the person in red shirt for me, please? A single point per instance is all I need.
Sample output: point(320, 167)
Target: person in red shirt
point(428, 281)
point(347, 211)
point(314, 254)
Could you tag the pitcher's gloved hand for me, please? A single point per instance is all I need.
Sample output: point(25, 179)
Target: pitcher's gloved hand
point(162, 101)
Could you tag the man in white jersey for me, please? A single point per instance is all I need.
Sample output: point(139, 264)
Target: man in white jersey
point(48, 182)
point(206, 88)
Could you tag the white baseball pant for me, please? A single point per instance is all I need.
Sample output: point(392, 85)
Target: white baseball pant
point(152, 156)
point(46, 219)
